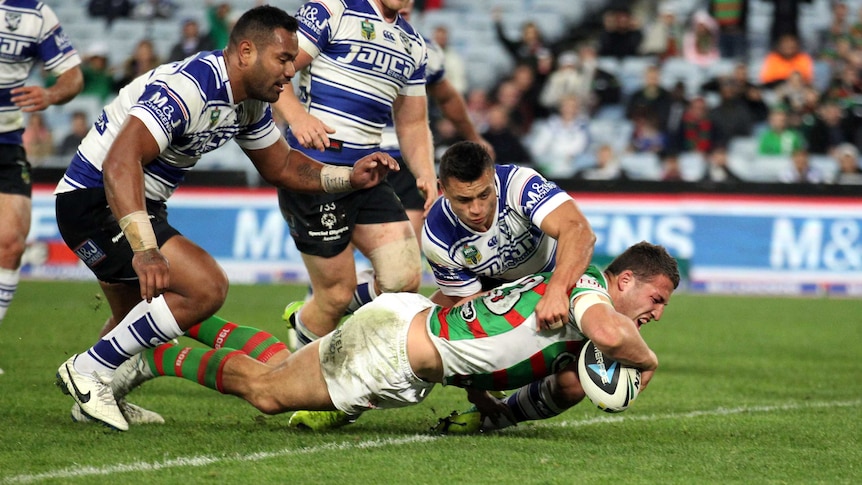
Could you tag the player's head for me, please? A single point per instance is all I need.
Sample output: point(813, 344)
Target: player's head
point(641, 280)
point(264, 39)
point(467, 180)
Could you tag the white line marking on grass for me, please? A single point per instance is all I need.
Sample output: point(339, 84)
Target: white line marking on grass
point(197, 461)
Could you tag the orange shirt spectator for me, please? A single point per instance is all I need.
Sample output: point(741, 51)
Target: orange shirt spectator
point(786, 59)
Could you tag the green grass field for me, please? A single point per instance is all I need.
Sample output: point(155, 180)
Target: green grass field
point(749, 390)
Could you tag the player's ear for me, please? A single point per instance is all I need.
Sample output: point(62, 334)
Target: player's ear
point(625, 279)
point(246, 52)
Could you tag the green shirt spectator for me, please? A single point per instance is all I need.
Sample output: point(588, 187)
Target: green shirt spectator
point(219, 23)
point(778, 139)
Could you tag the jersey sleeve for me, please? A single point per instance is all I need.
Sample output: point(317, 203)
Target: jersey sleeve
point(592, 282)
point(259, 130)
point(165, 114)
point(55, 48)
point(535, 195)
point(435, 71)
point(315, 19)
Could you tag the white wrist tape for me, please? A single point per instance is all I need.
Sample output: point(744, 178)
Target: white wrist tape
point(138, 231)
point(335, 179)
point(586, 301)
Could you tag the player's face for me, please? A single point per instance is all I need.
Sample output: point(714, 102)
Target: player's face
point(475, 203)
point(273, 67)
point(644, 301)
point(392, 6)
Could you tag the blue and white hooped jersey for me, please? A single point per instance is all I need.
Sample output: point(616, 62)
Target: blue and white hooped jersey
point(188, 107)
point(29, 32)
point(514, 246)
point(434, 73)
point(361, 64)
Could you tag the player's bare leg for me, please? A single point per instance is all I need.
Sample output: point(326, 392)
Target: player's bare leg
point(14, 226)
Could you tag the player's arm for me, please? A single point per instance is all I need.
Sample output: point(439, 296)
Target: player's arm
point(123, 174)
point(414, 138)
point(291, 169)
point(37, 98)
point(454, 108)
point(575, 242)
point(310, 131)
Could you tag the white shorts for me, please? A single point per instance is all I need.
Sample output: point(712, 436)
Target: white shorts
point(364, 361)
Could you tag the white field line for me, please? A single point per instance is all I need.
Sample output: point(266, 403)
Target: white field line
point(197, 461)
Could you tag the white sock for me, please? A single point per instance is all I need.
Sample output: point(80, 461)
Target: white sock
point(147, 326)
point(8, 285)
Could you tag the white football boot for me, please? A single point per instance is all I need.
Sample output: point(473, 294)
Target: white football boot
point(92, 393)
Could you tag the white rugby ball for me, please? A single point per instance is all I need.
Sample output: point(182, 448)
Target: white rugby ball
point(610, 385)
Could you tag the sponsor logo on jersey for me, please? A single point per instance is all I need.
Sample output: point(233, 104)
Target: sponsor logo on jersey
point(537, 192)
point(389, 36)
point(89, 253)
point(214, 116)
point(589, 282)
point(102, 123)
point(13, 20)
point(367, 30)
point(408, 45)
point(13, 48)
point(471, 254)
point(309, 15)
point(62, 40)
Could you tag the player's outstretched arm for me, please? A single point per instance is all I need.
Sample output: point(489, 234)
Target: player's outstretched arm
point(454, 108)
point(414, 138)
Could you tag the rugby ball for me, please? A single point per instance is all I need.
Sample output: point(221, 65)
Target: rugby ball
point(610, 385)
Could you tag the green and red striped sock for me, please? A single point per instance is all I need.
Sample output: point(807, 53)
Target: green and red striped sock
point(219, 333)
point(203, 366)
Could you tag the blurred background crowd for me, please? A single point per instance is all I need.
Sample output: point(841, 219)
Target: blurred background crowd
point(720, 91)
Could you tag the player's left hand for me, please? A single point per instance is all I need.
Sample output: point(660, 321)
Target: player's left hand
point(489, 406)
point(552, 311)
point(428, 188)
point(370, 170)
point(31, 98)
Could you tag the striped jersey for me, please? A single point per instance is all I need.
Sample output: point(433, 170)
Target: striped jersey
point(514, 246)
point(434, 73)
point(491, 342)
point(361, 64)
point(29, 32)
point(189, 110)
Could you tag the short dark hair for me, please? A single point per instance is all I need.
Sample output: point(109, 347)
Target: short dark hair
point(258, 23)
point(646, 261)
point(466, 161)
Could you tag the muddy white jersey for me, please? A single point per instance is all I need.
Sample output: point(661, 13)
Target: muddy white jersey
point(514, 246)
point(361, 64)
point(189, 110)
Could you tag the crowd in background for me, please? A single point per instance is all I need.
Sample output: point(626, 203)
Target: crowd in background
point(567, 108)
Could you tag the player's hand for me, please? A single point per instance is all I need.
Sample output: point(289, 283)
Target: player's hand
point(552, 311)
point(646, 376)
point(311, 132)
point(31, 98)
point(153, 272)
point(489, 406)
point(428, 188)
point(370, 170)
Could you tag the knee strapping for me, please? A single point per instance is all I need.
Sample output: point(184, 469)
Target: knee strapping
point(397, 266)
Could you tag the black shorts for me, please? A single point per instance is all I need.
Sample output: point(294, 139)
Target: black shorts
point(322, 225)
point(14, 171)
point(404, 184)
point(91, 232)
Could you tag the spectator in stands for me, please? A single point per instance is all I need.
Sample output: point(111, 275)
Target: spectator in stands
point(835, 39)
point(604, 87)
point(801, 170)
point(778, 138)
point(153, 9)
point(218, 16)
point(717, 169)
point(453, 62)
point(79, 125)
point(478, 105)
point(37, 139)
point(663, 37)
point(828, 130)
point(530, 84)
point(695, 133)
point(507, 144)
point(142, 60)
point(191, 41)
point(558, 142)
point(566, 80)
point(748, 91)
point(647, 137)
point(621, 36)
point(784, 59)
point(670, 168)
point(519, 113)
point(651, 98)
point(445, 135)
point(607, 166)
point(856, 29)
point(849, 172)
point(732, 18)
point(525, 50)
point(792, 92)
point(700, 41)
point(785, 18)
point(110, 9)
point(845, 84)
point(733, 116)
point(98, 75)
